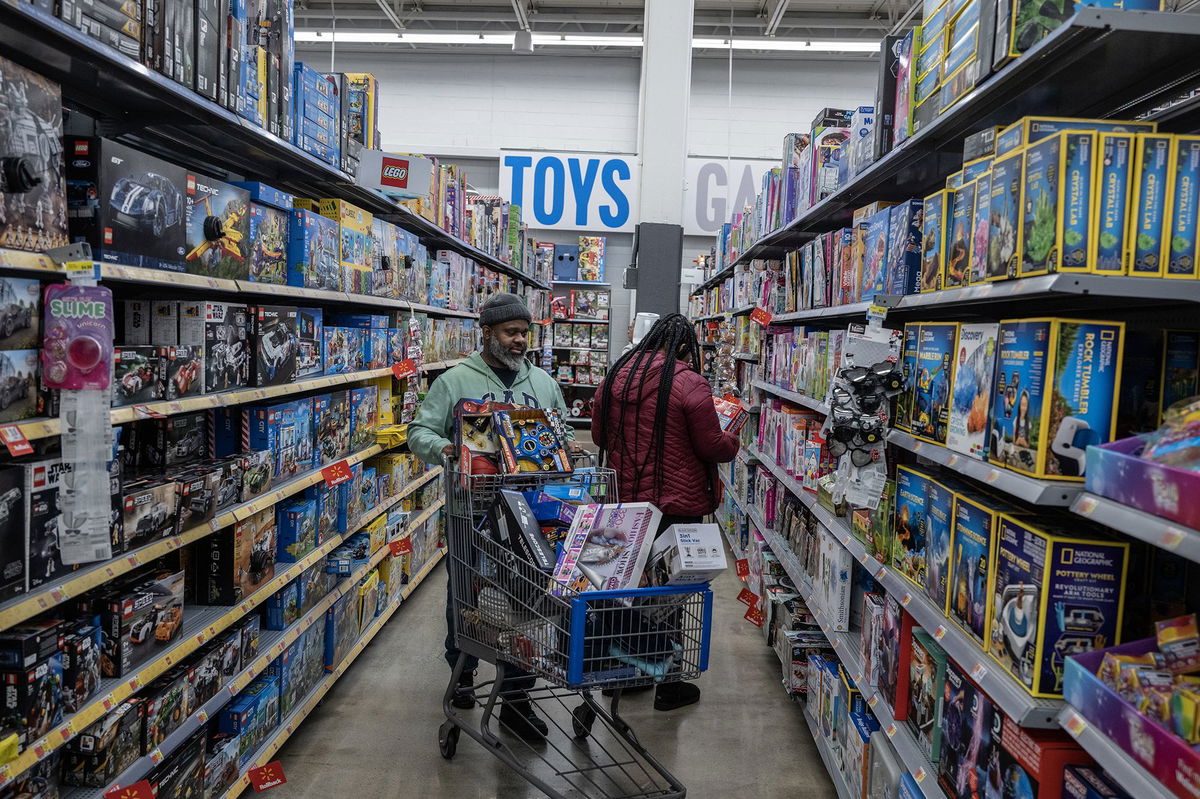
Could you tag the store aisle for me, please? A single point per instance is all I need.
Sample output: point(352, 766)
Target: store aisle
point(375, 735)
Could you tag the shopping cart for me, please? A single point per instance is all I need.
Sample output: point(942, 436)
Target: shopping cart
point(509, 613)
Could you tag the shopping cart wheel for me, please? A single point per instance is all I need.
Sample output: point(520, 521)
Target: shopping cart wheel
point(448, 739)
point(581, 721)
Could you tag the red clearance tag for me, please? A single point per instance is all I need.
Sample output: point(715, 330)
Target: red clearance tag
point(761, 316)
point(336, 473)
point(406, 368)
point(268, 776)
point(755, 616)
point(139, 790)
point(15, 440)
point(400, 547)
point(748, 597)
point(742, 566)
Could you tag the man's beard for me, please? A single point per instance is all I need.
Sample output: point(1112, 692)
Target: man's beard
point(501, 354)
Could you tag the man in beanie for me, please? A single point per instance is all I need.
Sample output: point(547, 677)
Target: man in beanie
point(500, 373)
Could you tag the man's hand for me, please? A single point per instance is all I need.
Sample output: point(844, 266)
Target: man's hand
point(575, 448)
point(448, 453)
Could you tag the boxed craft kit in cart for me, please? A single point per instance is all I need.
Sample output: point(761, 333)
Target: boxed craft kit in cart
point(1054, 394)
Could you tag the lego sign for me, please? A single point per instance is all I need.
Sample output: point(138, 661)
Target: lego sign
point(400, 176)
point(571, 191)
point(715, 188)
point(394, 172)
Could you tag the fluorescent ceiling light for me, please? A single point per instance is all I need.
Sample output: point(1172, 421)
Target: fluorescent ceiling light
point(579, 40)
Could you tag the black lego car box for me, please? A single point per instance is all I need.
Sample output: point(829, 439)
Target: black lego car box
point(129, 206)
point(276, 345)
point(12, 534)
point(233, 563)
point(218, 228)
point(198, 488)
point(20, 313)
point(222, 330)
point(96, 756)
point(139, 375)
point(33, 198)
point(23, 646)
point(172, 440)
point(149, 511)
point(185, 371)
point(140, 622)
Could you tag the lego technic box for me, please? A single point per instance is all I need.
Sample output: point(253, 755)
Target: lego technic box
point(276, 345)
point(218, 228)
point(1054, 394)
point(129, 206)
point(33, 197)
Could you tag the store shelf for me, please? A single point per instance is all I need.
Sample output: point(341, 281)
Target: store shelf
point(791, 396)
point(1118, 764)
point(92, 575)
point(1176, 538)
point(746, 356)
point(749, 508)
point(584, 319)
point(1076, 71)
point(1027, 489)
point(1004, 690)
point(578, 385)
point(597, 283)
point(835, 774)
point(579, 349)
point(306, 706)
point(745, 309)
point(578, 419)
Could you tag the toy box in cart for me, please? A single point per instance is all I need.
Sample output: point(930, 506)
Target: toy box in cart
point(531, 441)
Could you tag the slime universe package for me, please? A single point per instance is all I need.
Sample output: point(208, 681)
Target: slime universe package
point(1053, 394)
point(937, 351)
point(1054, 596)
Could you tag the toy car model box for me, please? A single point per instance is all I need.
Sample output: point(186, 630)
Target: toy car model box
point(1059, 188)
point(222, 330)
point(909, 539)
point(169, 702)
point(1056, 595)
point(1032, 129)
point(297, 530)
point(33, 208)
point(232, 563)
point(1035, 761)
point(221, 768)
point(129, 206)
point(926, 692)
point(937, 358)
point(939, 529)
point(341, 349)
point(275, 343)
point(180, 775)
point(23, 646)
point(1054, 394)
point(1004, 215)
point(20, 313)
point(972, 389)
point(332, 423)
point(286, 429)
point(1110, 222)
point(149, 511)
point(173, 440)
point(218, 228)
point(1148, 240)
point(1183, 246)
point(33, 698)
point(141, 621)
point(185, 371)
point(197, 489)
point(970, 727)
point(256, 469)
point(12, 538)
point(364, 417)
point(309, 336)
point(283, 608)
point(95, 757)
point(139, 375)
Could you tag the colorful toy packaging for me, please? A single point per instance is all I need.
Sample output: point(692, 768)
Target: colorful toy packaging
point(971, 565)
point(1004, 215)
point(1055, 595)
point(909, 532)
point(530, 441)
point(1033, 762)
point(939, 522)
point(958, 239)
point(937, 349)
point(217, 233)
point(1054, 393)
point(908, 369)
point(933, 234)
point(980, 227)
point(926, 693)
point(1059, 175)
point(1110, 220)
point(1183, 246)
point(972, 389)
point(1153, 176)
point(905, 222)
point(970, 728)
point(313, 248)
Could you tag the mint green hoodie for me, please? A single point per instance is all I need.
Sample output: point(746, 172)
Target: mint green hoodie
point(474, 379)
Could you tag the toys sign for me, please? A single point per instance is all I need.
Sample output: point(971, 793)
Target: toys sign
point(571, 191)
point(268, 776)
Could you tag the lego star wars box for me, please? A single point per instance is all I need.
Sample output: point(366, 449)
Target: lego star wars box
point(233, 563)
point(20, 313)
point(80, 666)
point(33, 698)
point(43, 558)
point(970, 735)
point(1056, 595)
point(139, 375)
point(139, 622)
point(218, 228)
point(937, 351)
point(225, 337)
point(95, 757)
point(972, 389)
point(1054, 394)
point(275, 344)
point(129, 206)
point(33, 200)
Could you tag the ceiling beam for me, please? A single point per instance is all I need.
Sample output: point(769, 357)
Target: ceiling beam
point(521, 9)
point(391, 15)
point(775, 16)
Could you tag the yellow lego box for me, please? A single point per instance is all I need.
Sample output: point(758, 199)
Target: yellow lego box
point(356, 248)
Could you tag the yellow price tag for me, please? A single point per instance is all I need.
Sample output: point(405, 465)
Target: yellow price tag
point(1171, 538)
point(81, 269)
point(1087, 506)
point(1075, 724)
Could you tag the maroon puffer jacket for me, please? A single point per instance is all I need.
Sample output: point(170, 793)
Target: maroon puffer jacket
point(693, 442)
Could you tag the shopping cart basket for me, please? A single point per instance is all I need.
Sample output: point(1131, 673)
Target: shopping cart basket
point(509, 613)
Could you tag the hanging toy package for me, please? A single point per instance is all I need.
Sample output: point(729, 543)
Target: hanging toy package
point(77, 359)
point(868, 376)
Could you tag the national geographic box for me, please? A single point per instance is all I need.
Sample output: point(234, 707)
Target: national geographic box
point(1054, 393)
point(1153, 179)
point(1183, 230)
point(933, 239)
point(1056, 220)
point(1110, 210)
point(937, 358)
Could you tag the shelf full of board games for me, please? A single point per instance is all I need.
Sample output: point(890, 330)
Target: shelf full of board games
point(182, 119)
point(1070, 72)
point(1001, 687)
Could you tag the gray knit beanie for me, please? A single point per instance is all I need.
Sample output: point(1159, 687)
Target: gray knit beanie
point(503, 308)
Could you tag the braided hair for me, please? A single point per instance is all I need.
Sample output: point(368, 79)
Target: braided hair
point(674, 337)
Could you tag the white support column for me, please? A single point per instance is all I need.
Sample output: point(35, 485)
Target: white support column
point(662, 148)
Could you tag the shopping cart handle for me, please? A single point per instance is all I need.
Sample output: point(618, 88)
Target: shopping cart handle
point(636, 593)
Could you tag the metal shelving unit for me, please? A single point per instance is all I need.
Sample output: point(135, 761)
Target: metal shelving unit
point(1117, 763)
point(835, 774)
point(792, 396)
point(745, 309)
point(1028, 489)
point(1183, 541)
point(1004, 690)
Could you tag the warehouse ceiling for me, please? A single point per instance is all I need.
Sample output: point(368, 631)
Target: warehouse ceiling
point(850, 28)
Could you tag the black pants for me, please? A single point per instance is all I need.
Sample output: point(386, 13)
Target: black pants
point(516, 680)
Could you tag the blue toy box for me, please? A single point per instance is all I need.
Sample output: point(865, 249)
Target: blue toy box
point(283, 608)
point(350, 508)
point(974, 540)
point(939, 522)
point(375, 352)
point(364, 416)
point(904, 247)
point(331, 420)
point(342, 349)
point(1183, 249)
point(1074, 363)
point(286, 431)
point(359, 320)
point(1110, 223)
point(1149, 236)
point(910, 539)
point(875, 254)
point(341, 629)
point(267, 195)
point(296, 534)
point(313, 242)
point(937, 354)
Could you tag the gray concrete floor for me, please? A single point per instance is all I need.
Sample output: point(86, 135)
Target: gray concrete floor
point(375, 734)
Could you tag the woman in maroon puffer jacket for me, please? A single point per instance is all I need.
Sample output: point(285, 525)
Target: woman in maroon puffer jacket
point(656, 426)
